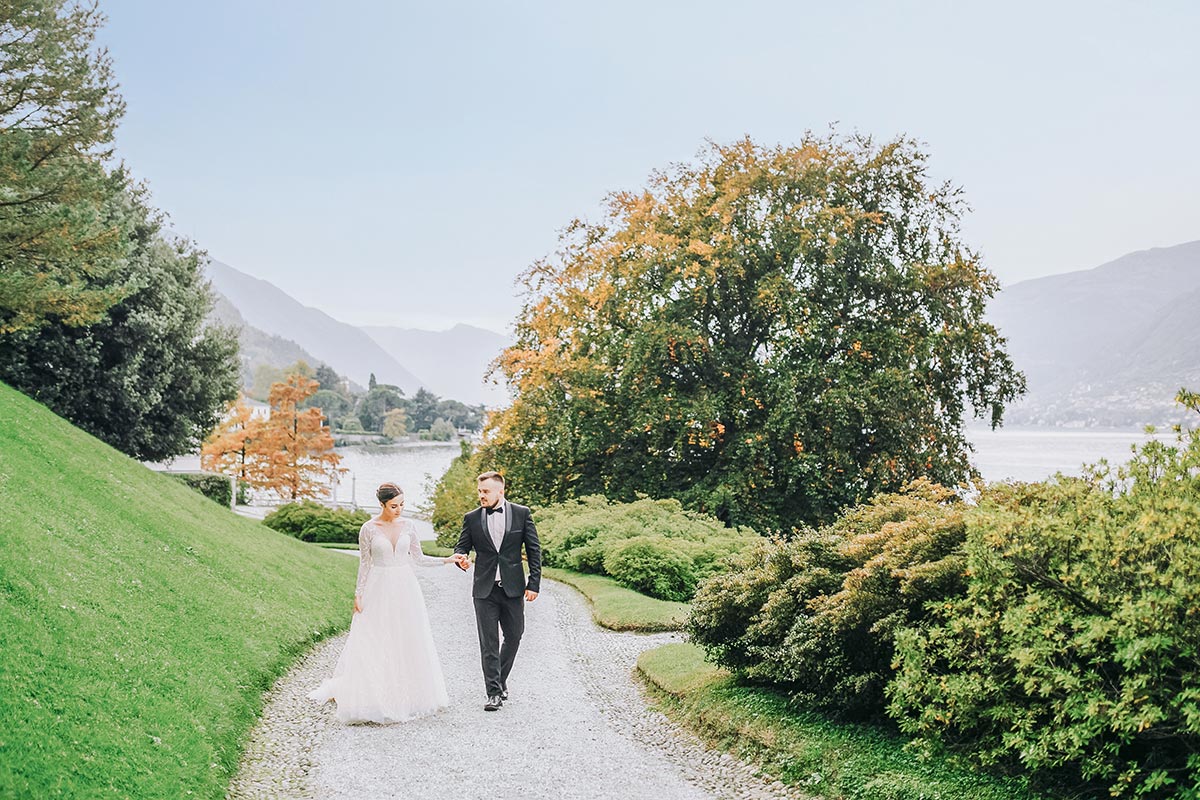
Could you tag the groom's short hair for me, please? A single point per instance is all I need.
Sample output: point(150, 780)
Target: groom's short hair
point(492, 476)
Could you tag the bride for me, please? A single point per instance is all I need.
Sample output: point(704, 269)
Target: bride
point(388, 670)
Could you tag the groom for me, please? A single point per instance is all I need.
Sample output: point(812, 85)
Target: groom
point(496, 532)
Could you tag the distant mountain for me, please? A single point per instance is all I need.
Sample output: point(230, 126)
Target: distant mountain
point(453, 362)
point(344, 347)
point(1108, 346)
point(257, 348)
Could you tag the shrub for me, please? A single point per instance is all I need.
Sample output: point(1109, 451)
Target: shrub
point(818, 614)
point(351, 424)
point(1076, 649)
point(454, 495)
point(652, 546)
point(312, 522)
point(215, 487)
point(441, 431)
point(650, 565)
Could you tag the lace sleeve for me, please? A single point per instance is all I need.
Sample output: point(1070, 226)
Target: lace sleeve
point(414, 549)
point(364, 557)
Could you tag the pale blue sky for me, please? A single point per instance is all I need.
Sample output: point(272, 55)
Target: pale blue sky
point(399, 163)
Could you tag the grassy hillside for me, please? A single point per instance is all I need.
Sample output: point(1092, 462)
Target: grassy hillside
point(139, 621)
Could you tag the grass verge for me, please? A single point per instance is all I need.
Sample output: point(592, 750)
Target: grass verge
point(619, 608)
point(613, 605)
point(140, 622)
point(823, 758)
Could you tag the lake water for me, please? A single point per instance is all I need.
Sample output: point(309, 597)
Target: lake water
point(1026, 455)
point(1035, 454)
point(413, 467)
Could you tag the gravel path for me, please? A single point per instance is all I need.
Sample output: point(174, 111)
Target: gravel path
point(576, 724)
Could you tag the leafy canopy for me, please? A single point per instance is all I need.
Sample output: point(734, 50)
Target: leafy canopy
point(769, 335)
point(59, 109)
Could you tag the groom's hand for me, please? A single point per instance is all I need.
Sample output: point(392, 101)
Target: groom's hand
point(461, 560)
point(530, 596)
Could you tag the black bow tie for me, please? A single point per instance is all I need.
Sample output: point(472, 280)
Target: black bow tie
point(495, 510)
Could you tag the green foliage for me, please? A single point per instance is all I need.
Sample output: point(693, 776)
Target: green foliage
point(461, 415)
point(329, 380)
point(652, 546)
point(768, 335)
point(266, 376)
point(818, 615)
point(373, 406)
point(395, 424)
point(149, 377)
point(313, 522)
point(59, 109)
point(454, 495)
point(442, 431)
point(650, 565)
point(1076, 650)
point(140, 624)
point(422, 409)
point(217, 488)
point(352, 424)
point(332, 404)
point(620, 608)
point(814, 756)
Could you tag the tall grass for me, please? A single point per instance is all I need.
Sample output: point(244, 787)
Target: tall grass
point(139, 621)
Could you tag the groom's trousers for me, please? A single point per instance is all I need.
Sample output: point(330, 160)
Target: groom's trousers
point(494, 614)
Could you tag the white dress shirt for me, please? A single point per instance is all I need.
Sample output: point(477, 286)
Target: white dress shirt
point(495, 526)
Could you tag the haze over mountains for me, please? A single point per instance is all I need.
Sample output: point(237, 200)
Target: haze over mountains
point(1105, 347)
point(276, 329)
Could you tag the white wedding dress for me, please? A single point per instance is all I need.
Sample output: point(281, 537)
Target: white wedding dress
point(388, 670)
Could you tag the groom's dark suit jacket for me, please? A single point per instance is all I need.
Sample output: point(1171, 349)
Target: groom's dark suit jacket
point(518, 530)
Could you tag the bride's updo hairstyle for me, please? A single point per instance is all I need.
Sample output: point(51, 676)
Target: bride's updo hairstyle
point(387, 491)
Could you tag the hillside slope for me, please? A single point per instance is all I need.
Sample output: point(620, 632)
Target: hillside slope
point(257, 348)
point(344, 347)
point(1107, 346)
point(139, 621)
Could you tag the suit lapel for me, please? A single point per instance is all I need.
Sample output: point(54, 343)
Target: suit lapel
point(483, 528)
point(508, 522)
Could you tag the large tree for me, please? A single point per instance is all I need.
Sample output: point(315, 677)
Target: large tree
point(58, 113)
point(149, 378)
point(768, 334)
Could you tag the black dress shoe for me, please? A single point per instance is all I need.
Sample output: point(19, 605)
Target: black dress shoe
point(493, 704)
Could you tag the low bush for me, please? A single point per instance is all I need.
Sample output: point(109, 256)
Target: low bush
point(454, 495)
point(817, 615)
point(1075, 652)
point(650, 565)
point(215, 487)
point(652, 546)
point(313, 522)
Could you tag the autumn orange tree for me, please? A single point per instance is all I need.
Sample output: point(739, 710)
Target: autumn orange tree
point(230, 448)
point(290, 453)
point(295, 447)
point(769, 335)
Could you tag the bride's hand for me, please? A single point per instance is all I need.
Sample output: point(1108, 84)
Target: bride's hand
point(357, 604)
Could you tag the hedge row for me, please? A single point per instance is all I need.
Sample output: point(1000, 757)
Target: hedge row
point(313, 522)
point(652, 546)
point(217, 488)
point(1051, 629)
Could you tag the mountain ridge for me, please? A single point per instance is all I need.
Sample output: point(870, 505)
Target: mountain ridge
point(277, 329)
point(1108, 346)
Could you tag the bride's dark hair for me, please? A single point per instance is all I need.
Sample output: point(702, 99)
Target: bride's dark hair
point(387, 491)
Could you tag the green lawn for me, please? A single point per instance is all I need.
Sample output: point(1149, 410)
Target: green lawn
point(825, 759)
point(139, 621)
point(613, 606)
point(621, 609)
